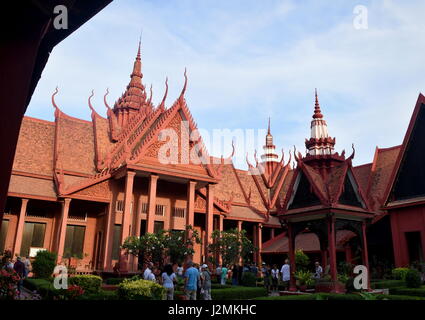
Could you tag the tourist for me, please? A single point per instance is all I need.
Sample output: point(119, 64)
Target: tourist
point(223, 275)
point(275, 278)
point(191, 281)
point(235, 275)
point(286, 274)
point(168, 281)
point(28, 267)
point(151, 276)
point(218, 273)
point(318, 270)
point(179, 271)
point(206, 283)
point(8, 265)
point(265, 270)
point(254, 269)
point(148, 270)
point(19, 268)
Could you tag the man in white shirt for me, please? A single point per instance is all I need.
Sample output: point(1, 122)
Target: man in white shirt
point(147, 271)
point(319, 270)
point(286, 274)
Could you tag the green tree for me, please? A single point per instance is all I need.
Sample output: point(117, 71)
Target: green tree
point(231, 245)
point(301, 260)
point(156, 247)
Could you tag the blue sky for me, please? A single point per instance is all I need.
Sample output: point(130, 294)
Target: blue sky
point(248, 60)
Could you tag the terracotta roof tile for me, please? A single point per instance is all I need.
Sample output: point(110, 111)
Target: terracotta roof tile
point(32, 186)
point(35, 148)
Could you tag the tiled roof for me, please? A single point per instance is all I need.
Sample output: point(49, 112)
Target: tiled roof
point(32, 186)
point(35, 148)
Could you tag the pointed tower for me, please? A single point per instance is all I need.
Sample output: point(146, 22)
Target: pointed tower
point(320, 143)
point(134, 98)
point(269, 148)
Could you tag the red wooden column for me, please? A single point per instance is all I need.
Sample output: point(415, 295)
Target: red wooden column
point(209, 218)
point(254, 240)
point(62, 229)
point(239, 225)
point(324, 258)
point(126, 217)
point(365, 252)
point(291, 253)
point(190, 206)
point(259, 242)
point(271, 233)
point(109, 225)
point(20, 227)
point(153, 182)
point(220, 227)
point(332, 249)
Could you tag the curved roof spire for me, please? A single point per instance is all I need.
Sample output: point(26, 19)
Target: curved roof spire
point(53, 98)
point(185, 83)
point(317, 112)
point(90, 105)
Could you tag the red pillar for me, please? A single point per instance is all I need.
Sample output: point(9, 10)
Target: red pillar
point(62, 230)
point(324, 259)
point(126, 217)
point(365, 253)
point(209, 219)
point(291, 253)
point(20, 227)
point(271, 233)
point(153, 181)
point(220, 227)
point(259, 242)
point(332, 249)
point(109, 225)
point(255, 239)
point(190, 206)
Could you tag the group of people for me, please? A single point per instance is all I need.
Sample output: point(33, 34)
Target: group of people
point(197, 279)
point(272, 274)
point(223, 272)
point(22, 267)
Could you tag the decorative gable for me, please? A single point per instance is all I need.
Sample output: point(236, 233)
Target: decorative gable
point(303, 194)
point(350, 195)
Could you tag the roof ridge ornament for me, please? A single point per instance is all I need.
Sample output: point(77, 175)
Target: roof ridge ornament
point(53, 98)
point(89, 101)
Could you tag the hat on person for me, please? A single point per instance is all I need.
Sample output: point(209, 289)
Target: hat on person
point(204, 266)
point(264, 263)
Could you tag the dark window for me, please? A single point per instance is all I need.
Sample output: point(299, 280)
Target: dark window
point(414, 246)
point(33, 237)
point(117, 242)
point(158, 226)
point(142, 227)
point(348, 195)
point(74, 241)
point(304, 195)
point(3, 234)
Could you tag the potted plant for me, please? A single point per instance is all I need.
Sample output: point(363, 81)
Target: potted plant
point(304, 279)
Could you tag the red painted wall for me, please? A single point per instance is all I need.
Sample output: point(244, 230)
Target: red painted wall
point(404, 220)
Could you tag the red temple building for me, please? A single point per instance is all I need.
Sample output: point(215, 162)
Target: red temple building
point(80, 188)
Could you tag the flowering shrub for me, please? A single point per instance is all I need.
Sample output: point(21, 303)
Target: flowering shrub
point(89, 283)
point(8, 282)
point(140, 290)
point(74, 292)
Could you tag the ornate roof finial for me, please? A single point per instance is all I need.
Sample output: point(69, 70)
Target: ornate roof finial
point(104, 99)
point(268, 130)
point(53, 98)
point(185, 83)
point(317, 112)
point(162, 105)
point(90, 105)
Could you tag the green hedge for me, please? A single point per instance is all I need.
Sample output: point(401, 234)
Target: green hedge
point(248, 279)
point(114, 281)
point(89, 283)
point(219, 286)
point(44, 287)
point(387, 284)
point(399, 273)
point(238, 293)
point(140, 290)
point(417, 292)
point(101, 295)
